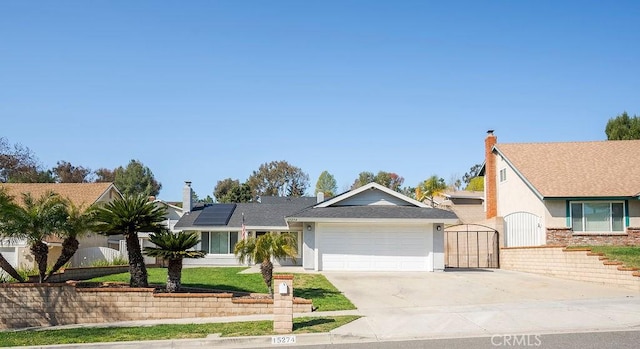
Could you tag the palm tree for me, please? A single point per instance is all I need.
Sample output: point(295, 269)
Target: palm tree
point(7, 210)
point(432, 186)
point(128, 216)
point(35, 221)
point(174, 248)
point(77, 223)
point(263, 248)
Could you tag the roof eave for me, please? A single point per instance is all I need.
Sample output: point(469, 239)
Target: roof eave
point(634, 197)
point(228, 228)
point(372, 220)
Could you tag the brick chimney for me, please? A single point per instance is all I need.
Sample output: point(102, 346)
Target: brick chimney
point(187, 197)
point(490, 187)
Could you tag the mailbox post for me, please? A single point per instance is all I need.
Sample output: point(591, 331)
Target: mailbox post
point(283, 303)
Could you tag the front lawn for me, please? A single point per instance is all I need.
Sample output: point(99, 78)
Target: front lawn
point(158, 332)
point(316, 287)
point(629, 255)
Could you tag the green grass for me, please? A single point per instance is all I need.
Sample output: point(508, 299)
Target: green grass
point(158, 332)
point(316, 287)
point(629, 255)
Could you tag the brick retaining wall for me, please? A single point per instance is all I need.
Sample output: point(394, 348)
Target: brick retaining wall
point(34, 305)
point(575, 264)
point(567, 237)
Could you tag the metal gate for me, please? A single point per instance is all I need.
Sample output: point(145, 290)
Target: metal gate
point(471, 246)
point(523, 229)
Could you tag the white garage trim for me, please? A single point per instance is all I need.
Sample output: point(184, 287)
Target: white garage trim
point(379, 247)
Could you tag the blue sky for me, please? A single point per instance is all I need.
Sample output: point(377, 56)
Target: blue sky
point(205, 90)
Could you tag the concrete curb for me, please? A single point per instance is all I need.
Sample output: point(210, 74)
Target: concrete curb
point(215, 342)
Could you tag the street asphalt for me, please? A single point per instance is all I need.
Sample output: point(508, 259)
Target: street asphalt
point(452, 304)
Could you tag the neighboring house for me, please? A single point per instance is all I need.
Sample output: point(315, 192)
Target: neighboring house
point(467, 205)
point(369, 228)
point(573, 193)
point(81, 194)
point(174, 213)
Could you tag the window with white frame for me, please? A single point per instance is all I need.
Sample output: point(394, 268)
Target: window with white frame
point(218, 242)
point(597, 216)
point(503, 175)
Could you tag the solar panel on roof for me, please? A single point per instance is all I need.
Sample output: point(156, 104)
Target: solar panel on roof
point(216, 214)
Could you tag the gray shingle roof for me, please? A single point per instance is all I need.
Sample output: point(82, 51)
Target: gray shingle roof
point(269, 213)
point(375, 211)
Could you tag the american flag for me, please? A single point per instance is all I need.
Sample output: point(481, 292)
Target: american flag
point(244, 229)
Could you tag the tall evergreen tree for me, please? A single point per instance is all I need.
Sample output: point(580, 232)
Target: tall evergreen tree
point(326, 184)
point(623, 127)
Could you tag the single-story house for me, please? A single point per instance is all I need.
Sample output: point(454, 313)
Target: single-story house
point(80, 194)
point(371, 228)
point(565, 193)
point(467, 205)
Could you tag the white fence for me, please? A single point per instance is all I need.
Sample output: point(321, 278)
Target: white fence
point(523, 229)
point(85, 256)
point(143, 243)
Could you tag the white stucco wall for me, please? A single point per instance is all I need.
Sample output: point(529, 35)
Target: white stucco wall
point(634, 213)
point(515, 196)
point(556, 213)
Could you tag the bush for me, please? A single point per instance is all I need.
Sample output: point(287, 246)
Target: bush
point(105, 263)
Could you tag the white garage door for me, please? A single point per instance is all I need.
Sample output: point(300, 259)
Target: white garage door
point(374, 247)
point(9, 253)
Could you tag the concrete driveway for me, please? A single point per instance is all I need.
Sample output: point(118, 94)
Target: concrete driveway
point(480, 303)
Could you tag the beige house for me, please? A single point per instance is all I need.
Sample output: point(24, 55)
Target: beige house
point(80, 194)
point(570, 193)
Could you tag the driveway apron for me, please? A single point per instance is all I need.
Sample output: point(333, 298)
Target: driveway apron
point(412, 305)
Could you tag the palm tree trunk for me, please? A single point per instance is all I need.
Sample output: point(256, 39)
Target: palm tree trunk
point(266, 269)
point(174, 272)
point(40, 252)
point(69, 247)
point(137, 268)
point(6, 266)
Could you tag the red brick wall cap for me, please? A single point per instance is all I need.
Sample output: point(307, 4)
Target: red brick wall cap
point(283, 277)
